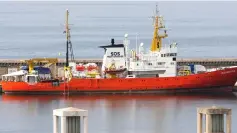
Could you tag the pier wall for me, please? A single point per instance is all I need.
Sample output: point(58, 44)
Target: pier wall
point(8, 64)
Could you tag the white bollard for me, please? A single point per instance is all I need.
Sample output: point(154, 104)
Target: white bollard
point(70, 120)
point(214, 119)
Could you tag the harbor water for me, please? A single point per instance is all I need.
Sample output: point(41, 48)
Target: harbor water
point(112, 114)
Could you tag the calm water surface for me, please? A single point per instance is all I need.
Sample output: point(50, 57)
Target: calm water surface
point(112, 114)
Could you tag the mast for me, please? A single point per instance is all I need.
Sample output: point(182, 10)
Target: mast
point(67, 37)
point(68, 41)
point(157, 38)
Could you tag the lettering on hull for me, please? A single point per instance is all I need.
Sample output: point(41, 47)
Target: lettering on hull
point(228, 72)
point(115, 54)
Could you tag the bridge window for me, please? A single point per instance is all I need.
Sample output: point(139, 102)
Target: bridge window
point(160, 63)
point(149, 64)
point(168, 54)
point(172, 54)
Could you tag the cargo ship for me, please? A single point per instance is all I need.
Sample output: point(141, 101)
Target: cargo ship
point(122, 71)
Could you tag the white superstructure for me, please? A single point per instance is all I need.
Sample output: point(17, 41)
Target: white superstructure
point(159, 63)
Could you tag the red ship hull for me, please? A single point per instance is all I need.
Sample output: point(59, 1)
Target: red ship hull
point(211, 81)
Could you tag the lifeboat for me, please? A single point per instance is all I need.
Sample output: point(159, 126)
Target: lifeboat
point(91, 67)
point(80, 68)
point(113, 70)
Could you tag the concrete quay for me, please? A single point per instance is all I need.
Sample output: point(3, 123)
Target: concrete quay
point(209, 62)
point(181, 61)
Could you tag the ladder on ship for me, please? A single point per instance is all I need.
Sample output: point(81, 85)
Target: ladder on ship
point(66, 87)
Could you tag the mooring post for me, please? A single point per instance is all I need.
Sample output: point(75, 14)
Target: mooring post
point(214, 119)
point(70, 120)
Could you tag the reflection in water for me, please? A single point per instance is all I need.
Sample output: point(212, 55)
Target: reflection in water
point(110, 113)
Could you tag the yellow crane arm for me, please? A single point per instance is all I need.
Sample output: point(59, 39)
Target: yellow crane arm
point(31, 62)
